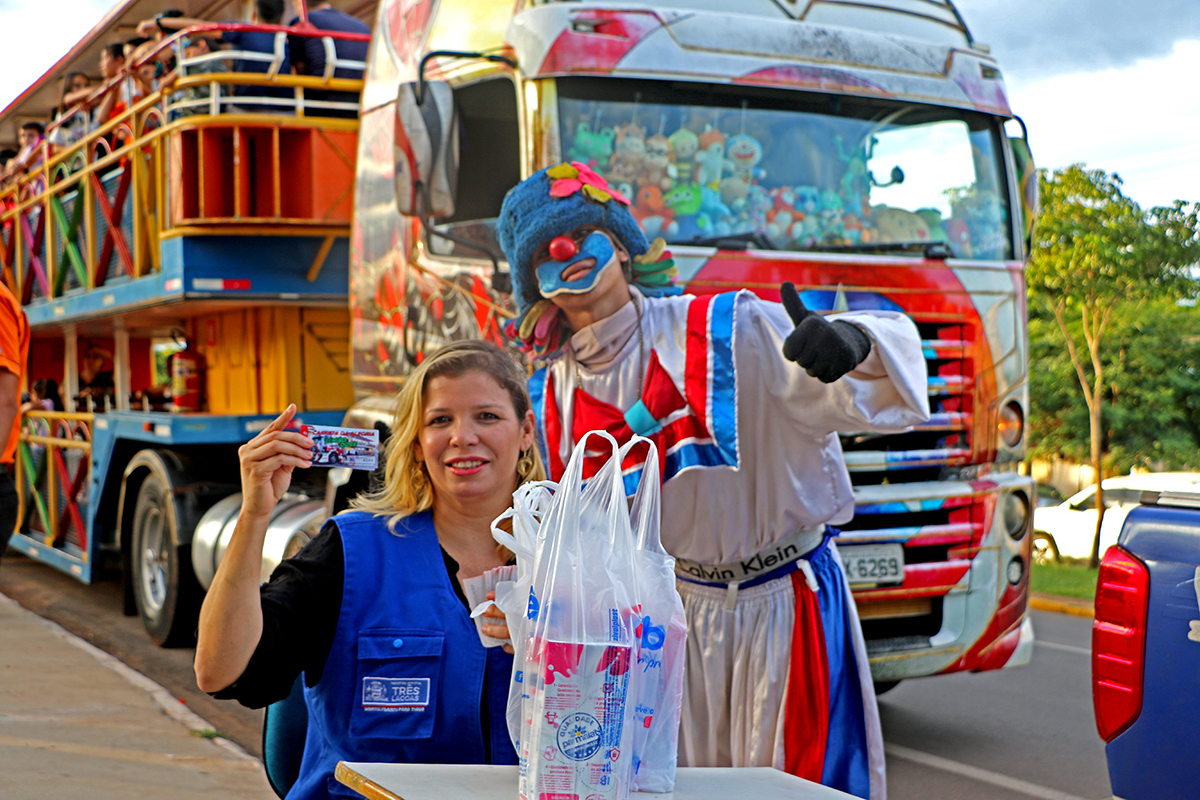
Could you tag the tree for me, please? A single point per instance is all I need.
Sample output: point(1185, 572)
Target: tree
point(1097, 259)
point(1151, 393)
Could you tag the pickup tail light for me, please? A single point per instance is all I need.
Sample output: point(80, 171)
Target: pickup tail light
point(1119, 641)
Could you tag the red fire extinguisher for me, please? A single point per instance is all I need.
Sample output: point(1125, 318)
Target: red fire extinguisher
point(186, 367)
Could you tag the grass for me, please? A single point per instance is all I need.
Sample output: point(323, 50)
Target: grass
point(208, 733)
point(1066, 580)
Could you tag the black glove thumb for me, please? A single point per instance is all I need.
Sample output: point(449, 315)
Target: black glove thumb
point(792, 303)
point(826, 350)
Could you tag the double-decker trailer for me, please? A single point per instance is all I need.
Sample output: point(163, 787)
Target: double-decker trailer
point(216, 215)
point(860, 149)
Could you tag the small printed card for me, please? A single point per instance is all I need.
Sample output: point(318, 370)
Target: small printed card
point(355, 448)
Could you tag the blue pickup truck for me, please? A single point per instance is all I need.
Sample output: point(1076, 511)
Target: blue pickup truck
point(1146, 651)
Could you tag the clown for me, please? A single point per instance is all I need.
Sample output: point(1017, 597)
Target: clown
point(744, 400)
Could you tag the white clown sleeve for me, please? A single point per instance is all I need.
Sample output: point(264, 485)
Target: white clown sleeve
point(886, 393)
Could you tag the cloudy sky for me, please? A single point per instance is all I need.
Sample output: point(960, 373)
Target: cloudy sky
point(1110, 83)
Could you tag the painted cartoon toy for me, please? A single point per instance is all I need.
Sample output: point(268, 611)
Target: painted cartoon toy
point(684, 146)
point(717, 212)
point(592, 148)
point(899, 225)
point(710, 160)
point(652, 213)
point(657, 169)
point(686, 200)
point(629, 153)
point(985, 220)
point(831, 216)
point(782, 214)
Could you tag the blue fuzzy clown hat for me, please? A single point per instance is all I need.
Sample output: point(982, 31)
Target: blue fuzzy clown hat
point(555, 201)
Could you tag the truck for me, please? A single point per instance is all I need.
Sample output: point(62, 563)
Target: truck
point(1146, 649)
point(184, 268)
point(865, 151)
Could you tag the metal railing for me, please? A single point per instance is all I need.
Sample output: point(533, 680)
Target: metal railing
point(98, 207)
point(54, 474)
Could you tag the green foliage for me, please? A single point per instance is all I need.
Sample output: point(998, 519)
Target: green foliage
point(1105, 331)
point(1151, 391)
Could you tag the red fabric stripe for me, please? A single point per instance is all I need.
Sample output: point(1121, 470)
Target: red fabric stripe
point(695, 382)
point(553, 430)
point(806, 710)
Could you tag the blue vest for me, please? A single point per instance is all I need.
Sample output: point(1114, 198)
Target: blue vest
point(406, 673)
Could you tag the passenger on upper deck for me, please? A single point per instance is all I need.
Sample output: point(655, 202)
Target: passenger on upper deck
point(195, 46)
point(308, 56)
point(30, 156)
point(266, 12)
point(76, 88)
point(112, 61)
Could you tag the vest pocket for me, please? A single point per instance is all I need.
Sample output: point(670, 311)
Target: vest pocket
point(397, 689)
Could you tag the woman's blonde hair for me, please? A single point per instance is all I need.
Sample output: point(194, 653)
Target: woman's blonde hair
point(406, 488)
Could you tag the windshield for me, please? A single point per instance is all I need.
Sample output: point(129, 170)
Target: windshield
point(793, 171)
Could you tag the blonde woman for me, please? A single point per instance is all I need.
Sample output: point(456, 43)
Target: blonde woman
point(372, 610)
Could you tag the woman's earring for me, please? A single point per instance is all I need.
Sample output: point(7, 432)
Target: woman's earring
point(525, 464)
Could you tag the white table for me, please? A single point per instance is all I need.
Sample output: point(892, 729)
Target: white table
point(483, 782)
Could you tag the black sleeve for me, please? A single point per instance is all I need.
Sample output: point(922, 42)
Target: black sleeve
point(301, 604)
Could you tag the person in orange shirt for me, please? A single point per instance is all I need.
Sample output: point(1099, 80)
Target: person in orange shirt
point(14, 352)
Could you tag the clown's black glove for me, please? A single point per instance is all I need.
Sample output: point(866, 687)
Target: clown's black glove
point(826, 350)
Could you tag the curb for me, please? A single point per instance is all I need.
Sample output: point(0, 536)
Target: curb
point(1062, 605)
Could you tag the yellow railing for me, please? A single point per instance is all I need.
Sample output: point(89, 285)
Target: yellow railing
point(54, 475)
point(66, 217)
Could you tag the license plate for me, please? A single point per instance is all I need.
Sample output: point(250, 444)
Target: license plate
point(873, 563)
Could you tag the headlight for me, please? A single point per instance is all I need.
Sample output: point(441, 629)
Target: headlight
point(1011, 424)
point(1016, 571)
point(1016, 513)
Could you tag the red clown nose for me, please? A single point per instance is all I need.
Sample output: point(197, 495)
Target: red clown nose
point(563, 247)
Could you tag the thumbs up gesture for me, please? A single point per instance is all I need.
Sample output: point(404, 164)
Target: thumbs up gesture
point(826, 350)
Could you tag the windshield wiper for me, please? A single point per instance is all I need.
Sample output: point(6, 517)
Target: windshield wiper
point(733, 241)
point(927, 249)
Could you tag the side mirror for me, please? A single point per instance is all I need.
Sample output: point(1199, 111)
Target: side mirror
point(426, 149)
point(1028, 188)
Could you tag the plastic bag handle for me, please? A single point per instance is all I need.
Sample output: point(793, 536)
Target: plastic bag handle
point(573, 474)
point(646, 498)
point(531, 499)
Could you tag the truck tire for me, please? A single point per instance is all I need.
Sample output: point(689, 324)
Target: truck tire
point(167, 594)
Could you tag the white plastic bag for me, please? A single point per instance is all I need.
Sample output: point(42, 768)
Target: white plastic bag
point(572, 681)
point(531, 503)
point(662, 638)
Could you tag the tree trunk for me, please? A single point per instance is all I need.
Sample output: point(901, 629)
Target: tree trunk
point(1097, 467)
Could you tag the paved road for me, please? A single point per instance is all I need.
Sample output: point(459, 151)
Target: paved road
point(1007, 735)
point(1010, 735)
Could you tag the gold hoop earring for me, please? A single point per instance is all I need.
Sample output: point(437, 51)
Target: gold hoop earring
point(525, 464)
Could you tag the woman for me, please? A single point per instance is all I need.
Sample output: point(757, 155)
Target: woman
point(372, 609)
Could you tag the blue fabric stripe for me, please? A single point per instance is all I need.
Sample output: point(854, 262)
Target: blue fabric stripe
point(694, 455)
point(690, 455)
point(846, 761)
point(537, 393)
point(723, 376)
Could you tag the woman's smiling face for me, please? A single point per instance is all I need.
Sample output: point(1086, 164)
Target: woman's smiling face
point(471, 437)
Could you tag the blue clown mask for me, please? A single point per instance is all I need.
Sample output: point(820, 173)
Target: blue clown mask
point(596, 246)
